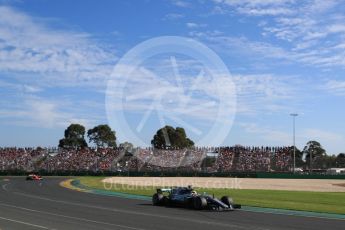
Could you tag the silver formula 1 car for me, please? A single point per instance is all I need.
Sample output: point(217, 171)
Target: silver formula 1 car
point(189, 198)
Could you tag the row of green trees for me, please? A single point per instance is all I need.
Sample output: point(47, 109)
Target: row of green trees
point(103, 136)
point(314, 156)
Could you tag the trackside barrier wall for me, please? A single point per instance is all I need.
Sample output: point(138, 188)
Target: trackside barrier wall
point(179, 174)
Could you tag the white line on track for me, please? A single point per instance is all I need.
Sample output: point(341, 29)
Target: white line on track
point(70, 217)
point(23, 223)
point(294, 215)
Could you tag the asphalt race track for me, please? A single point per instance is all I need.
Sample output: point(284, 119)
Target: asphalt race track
point(46, 205)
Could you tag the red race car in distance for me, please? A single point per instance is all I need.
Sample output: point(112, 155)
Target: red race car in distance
point(33, 177)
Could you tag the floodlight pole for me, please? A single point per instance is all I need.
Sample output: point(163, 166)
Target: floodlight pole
point(294, 115)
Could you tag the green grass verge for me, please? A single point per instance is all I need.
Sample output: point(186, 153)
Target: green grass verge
point(326, 202)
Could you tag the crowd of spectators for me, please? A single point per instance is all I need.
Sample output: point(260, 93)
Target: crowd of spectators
point(226, 159)
point(253, 159)
point(282, 159)
point(20, 158)
point(192, 160)
point(86, 159)
point(161, 159)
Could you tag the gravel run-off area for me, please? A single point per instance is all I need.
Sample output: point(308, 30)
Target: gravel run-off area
point(318, 185)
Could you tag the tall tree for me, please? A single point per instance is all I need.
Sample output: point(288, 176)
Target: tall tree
point(74, 137)
point(314, 151)
point(102, 136)
point(340, 160)
point(168, 137)
point(299, 156)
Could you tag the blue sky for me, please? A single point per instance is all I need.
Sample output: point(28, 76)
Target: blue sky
point(284, 56)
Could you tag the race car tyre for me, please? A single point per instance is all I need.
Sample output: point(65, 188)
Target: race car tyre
point(189, 203)
point(157, 199)
point(166, 201)
point(199, 203)
point(227, 200)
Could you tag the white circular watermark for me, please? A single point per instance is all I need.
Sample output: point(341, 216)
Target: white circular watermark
point(140, 84)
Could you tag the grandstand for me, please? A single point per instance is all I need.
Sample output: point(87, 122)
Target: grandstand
point(222, 159)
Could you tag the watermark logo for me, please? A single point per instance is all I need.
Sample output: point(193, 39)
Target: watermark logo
point(144, 183)
point(171, 80)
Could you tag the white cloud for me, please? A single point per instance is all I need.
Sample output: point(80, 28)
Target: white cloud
point(336, 28)
point(283, 136)
point(28, 45)
point(173, 16)
point(303, 52)
point(258, 8)
point(254, 49)
point(270, 135)
point(267, 11)
point(193, 25)
point(21, 88)
point(254, 3)
point(31, 89)
point(265, 93)
point(322, 135)
point(335, 87)
point(34, 111)
point(218, 10)
point(313, 29)
point(35, 58)
point(180, 3)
